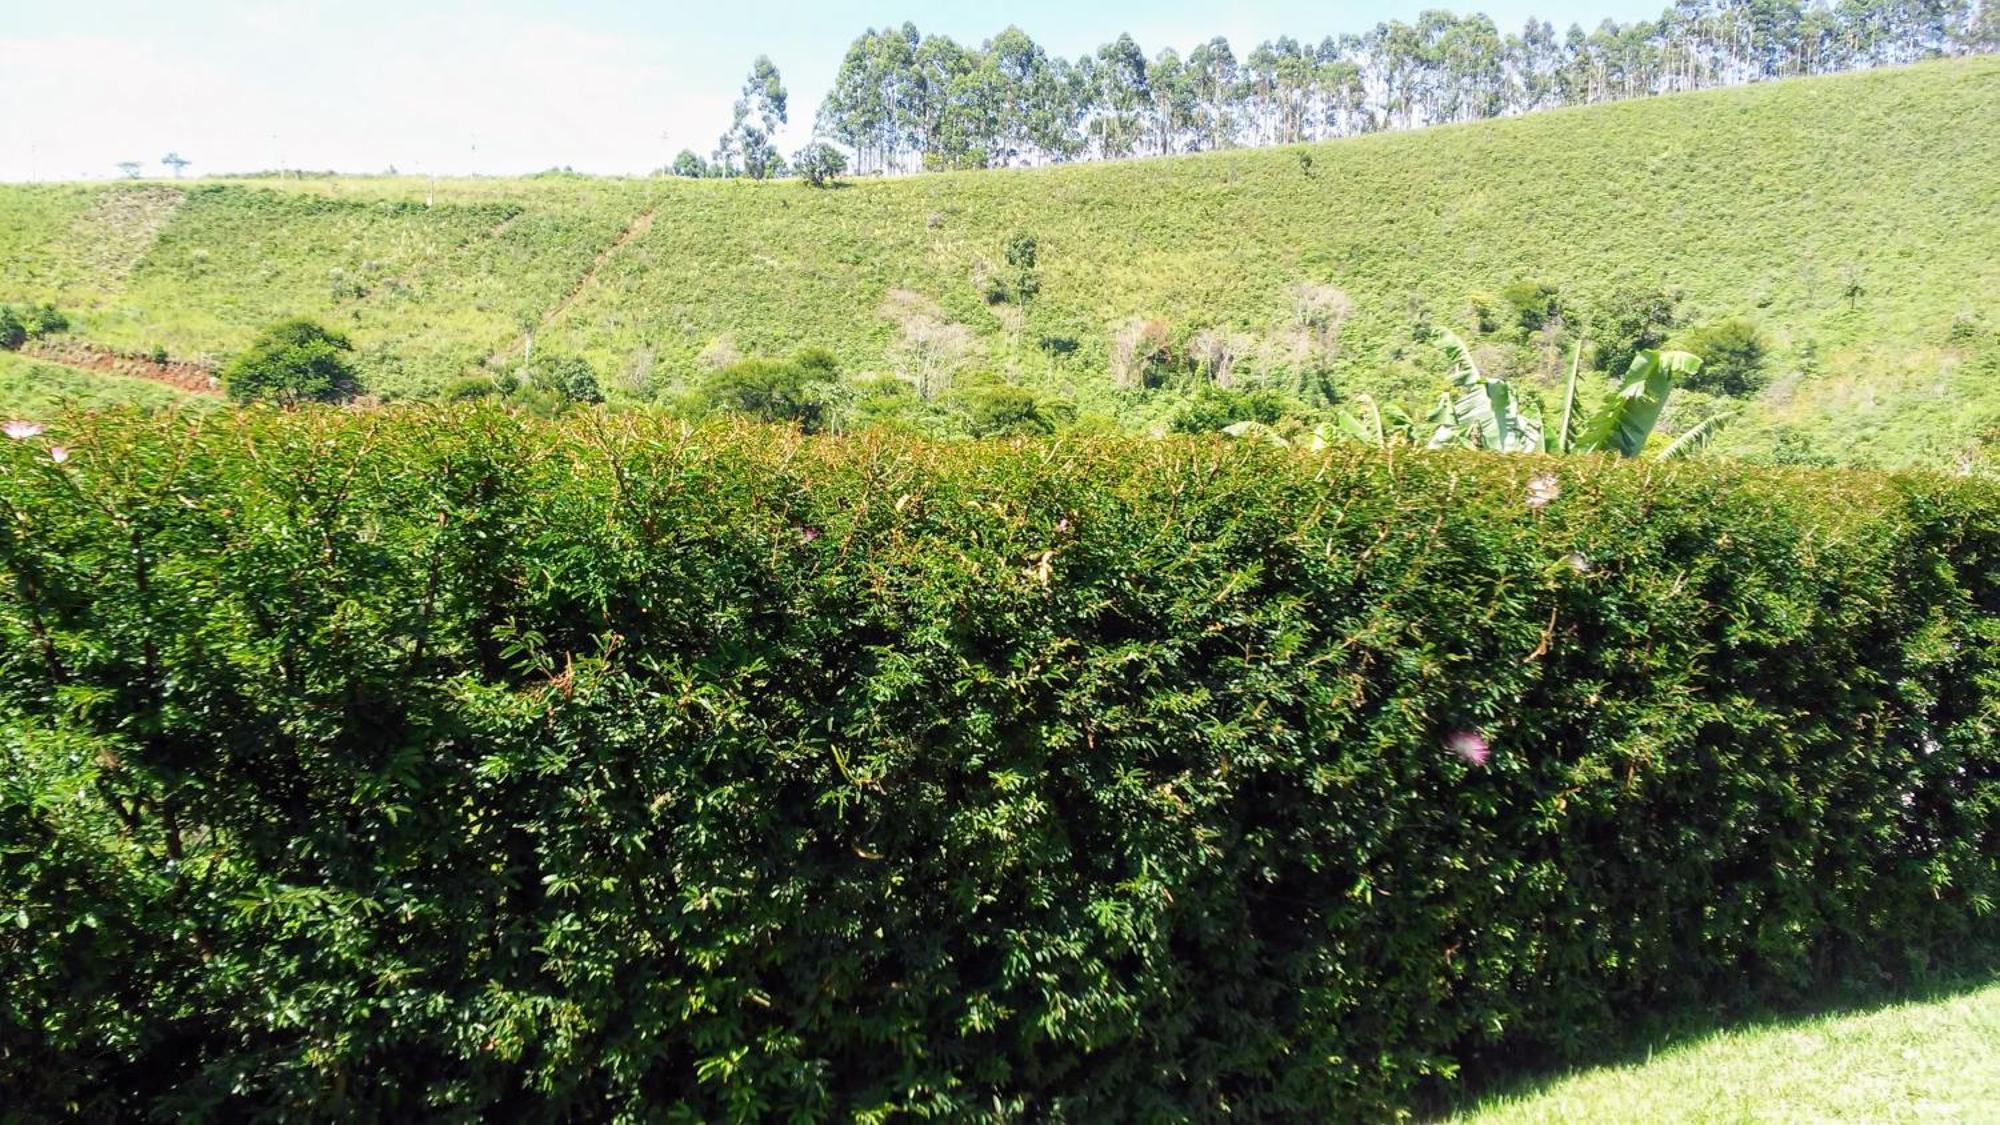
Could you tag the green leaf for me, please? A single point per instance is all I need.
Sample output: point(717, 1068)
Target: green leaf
point(1464, 372)
point(1257, 431)
point(1696, 439)
point(1626, 420)
point(1565, 437)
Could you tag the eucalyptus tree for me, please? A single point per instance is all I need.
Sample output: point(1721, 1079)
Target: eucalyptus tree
point(864, 111)
point(1213, 76)
point(902, 100)
point(1533, 59)
point(1471, 83)
point(1121, 97)
point(1173, 102)
point(936, 112)
point(764, 100)
point(1341, 89)
point(1295, 88)
point(1032, 100)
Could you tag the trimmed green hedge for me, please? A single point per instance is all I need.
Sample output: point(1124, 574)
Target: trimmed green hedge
point(441, 762)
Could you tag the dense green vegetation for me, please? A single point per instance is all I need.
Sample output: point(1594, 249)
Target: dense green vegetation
point(420, 762)
point(1840, 225)
point(1930, 1058)
point(292, 362)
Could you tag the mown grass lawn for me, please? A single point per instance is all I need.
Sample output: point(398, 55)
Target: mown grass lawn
point(1936, 1059)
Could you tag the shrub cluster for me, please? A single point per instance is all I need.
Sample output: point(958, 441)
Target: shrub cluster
point(292, 362)
point(444, 762)
point(19, 324)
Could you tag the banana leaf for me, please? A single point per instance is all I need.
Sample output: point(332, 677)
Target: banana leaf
point(1626, 420)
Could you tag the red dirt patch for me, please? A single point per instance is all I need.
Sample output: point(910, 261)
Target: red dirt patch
point(194, 378)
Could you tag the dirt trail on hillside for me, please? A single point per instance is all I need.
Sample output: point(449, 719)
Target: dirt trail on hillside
point(193, 378)
point(638, 226)
point(120, 229)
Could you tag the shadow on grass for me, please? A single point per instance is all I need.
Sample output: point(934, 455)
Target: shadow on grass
point(1500, 1077)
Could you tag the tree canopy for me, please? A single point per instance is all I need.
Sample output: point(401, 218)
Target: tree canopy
point(292, 362)
point(904, 101)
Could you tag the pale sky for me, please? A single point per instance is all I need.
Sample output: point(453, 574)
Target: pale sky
point(503, 86)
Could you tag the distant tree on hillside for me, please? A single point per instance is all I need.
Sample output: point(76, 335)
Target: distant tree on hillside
point(764, 100)
point(689, 165)
point(820, 163)
point(29, 322)
point(1213, 409)
point(175, 161)
point(797, 390)
point(1024, 257)
point(130, 168)
point(991, 408)
point(292, 362)
point(571, 377)
point(1732, 357)
point(1638, 318)
point(1851, 289)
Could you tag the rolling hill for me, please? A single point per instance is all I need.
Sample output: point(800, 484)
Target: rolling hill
point(1853, 219)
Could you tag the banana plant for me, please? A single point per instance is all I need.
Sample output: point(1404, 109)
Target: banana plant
point(1375, 424)
point(1486, 413)
point(1626, 420)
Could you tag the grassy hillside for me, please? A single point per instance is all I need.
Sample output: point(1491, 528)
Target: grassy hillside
point(1853, 219)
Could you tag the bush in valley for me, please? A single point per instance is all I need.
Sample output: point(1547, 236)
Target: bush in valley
point(19, 324)
point(292, 362)
point(993, 408)
point(568, 377)
point(1732, 357)
point(448, 763)
point(1533, 305)
point(798, 390)
point(470, 387)
point(43, 320)
point(1632, 320)
point(1211, 409)
point(1023, 257)
point(891, 403)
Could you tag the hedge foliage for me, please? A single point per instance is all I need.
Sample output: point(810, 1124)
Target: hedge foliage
point(449, 763)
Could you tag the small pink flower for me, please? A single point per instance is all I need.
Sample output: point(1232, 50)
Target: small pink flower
point(809, 534)
point(1062, 524)
point(58, 454)
point(1471, 746)
point(1543, 488)
point(19, 430)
